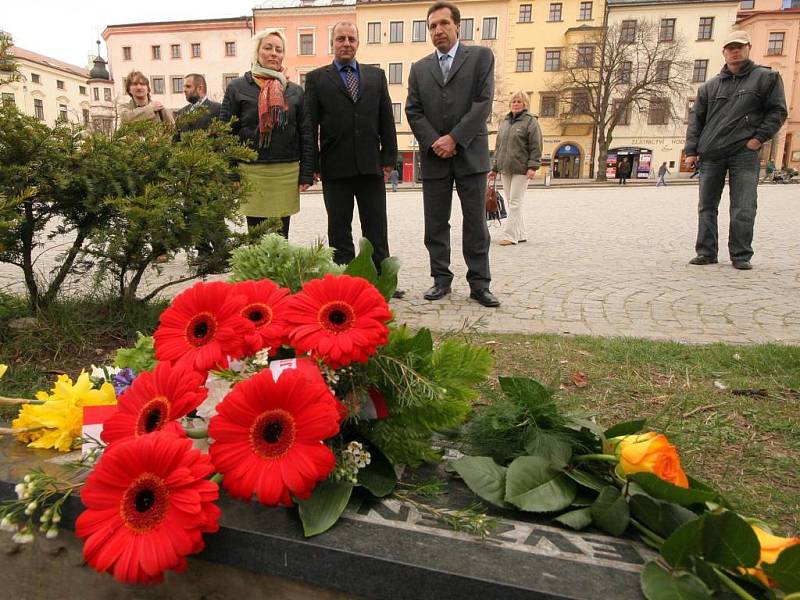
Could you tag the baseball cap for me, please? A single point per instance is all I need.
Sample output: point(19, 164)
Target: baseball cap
point(737, 37)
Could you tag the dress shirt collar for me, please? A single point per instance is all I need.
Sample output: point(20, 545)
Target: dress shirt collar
point(451, 53)
point(339, 66)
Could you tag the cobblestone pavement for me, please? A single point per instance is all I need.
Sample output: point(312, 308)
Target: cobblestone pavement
point(602, 261)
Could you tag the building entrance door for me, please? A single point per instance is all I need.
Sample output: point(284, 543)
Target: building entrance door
point(567, 162)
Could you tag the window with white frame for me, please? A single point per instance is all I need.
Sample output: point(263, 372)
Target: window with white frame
point(177, 84)
point(585, 11)
point(397, 110)
point(467, 29)
point(196, 50)
point(705, 28)
point(306, 44)
point(396, 32)
point(157, 83)
point(524, 61)
point(175, 50)
point(552, 60)
point(525, 13)
point(700, 70)
point(155, 52)
point(395, 72)
point(419, 31)
point(489, 28)
point(373, 33)
point(555, 12)
point(775, 43)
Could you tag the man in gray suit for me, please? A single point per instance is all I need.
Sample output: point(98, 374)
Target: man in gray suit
point(449, 100)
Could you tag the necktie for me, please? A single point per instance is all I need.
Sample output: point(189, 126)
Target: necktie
point(444, 62)
point(351, 81)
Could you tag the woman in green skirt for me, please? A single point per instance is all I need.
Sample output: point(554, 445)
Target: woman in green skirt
point(271, 120)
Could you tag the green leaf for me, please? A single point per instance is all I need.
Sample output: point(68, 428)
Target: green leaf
point(326, 504)
point(706, 573)
point(533, 484)
point(685, 542)
point(584, 479)
point(556, 450)
point(660, 584)
point(387, 280)
point(576, 519)
point(786, 570)
point(527, 391)
point(658, 488)
point(610, 511)
point(627, 428)
point(378, 476)
point(484, 477)
point(729, 541)
point(362, 265)
point(660, 516)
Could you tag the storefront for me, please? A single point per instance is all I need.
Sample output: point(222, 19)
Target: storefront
point(640, 159)
point(567, 161)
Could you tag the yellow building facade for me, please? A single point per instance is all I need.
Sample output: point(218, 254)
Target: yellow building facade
point(394, 34)
point(541, 36)
point(702, 26)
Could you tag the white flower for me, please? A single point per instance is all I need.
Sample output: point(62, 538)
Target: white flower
point(22, 537)
point(261, 358)
point(51, 533)
point(8, 525)
point(20, 490)
point(56, 518)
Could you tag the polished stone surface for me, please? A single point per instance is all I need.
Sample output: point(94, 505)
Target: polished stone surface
point(388, 549)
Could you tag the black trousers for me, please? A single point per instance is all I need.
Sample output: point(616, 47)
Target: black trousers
point(369, 192)
point(256, 221)
point(437, 198)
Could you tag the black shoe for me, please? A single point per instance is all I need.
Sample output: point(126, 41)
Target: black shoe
point(703, 260)
point(485, 298)
point(742, 265)
point(437, 292)
point(399, 294)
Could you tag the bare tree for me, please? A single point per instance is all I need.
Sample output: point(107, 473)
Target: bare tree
point(641, 67)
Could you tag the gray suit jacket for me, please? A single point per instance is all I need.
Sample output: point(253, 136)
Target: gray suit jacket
point(460, 106)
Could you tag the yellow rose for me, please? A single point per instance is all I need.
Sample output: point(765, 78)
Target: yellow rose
point(771, 547)
point(649, 453)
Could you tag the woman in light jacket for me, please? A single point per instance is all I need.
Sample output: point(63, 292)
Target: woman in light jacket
point(270, 119)
point(517, 156)
point(141, 107)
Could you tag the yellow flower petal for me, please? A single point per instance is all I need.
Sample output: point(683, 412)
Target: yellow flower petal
point(3, 369)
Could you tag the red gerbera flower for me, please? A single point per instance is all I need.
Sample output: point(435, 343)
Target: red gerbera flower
point(203, 327)
point(265, 307)
point(148, 503)
point(268, 437)
point(340, 319)
point(154, 402)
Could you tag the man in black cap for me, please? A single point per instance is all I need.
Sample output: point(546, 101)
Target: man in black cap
point(735, 113)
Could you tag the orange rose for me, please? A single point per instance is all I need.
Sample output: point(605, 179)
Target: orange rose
point(771, 547)
point(649, 453)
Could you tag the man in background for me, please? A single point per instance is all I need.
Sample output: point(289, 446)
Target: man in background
point(205, 109)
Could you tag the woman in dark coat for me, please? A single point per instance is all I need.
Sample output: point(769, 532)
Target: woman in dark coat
point(271, 120)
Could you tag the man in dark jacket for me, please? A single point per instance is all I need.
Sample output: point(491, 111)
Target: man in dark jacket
point(734, 114)
point(449, 100)
point(194, 88)
point(354, 133)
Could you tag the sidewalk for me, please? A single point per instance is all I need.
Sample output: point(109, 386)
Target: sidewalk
point(607, 261)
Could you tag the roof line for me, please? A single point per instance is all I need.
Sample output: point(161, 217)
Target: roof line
point(213, 20)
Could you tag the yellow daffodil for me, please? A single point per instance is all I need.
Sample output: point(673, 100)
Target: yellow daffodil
point(61, 414)
point(3, 369)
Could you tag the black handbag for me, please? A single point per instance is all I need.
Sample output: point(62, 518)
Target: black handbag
point(495, 204)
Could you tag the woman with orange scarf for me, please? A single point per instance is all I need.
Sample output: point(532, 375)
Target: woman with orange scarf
point(271, 120)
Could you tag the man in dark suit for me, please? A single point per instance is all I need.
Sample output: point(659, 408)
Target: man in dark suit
point(194, 88)
point(449, 100)
point(351, 116)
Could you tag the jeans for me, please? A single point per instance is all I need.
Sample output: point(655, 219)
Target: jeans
point(742, 168)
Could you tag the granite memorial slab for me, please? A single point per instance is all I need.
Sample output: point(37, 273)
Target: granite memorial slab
point(390, 549)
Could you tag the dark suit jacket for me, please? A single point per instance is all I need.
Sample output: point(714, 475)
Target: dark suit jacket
point(459, 107)
point(211, 112)
point(354, 138)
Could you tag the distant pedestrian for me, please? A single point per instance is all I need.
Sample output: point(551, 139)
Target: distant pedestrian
point(662, 174)
point(518, 154)
point(751, 97)
point(770, 170)
point(394, 177)
point(624, 171)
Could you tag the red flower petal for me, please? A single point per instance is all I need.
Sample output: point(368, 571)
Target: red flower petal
point(257, 433)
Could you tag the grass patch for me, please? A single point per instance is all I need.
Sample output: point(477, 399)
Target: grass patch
point(69, 336)
point(743, 439)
